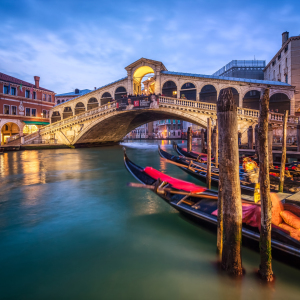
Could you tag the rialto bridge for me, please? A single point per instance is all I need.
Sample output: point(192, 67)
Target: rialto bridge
point(94, 117)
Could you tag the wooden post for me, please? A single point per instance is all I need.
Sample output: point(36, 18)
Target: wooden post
point(298, 138)
point(213, 142)
point(202, 141)
point(256, 140)
point(189, 139)
point(265, 268)
point(230, 183)
point(217, 146)
point(283, 156)
point(220, 227)
point(208, 174)
point(250, 137)
point(270, 144)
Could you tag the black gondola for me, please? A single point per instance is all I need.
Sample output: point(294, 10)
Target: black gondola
point(200, 210)
point(292, 186)
point(201, 175)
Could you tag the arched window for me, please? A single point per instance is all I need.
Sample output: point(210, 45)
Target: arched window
point(55, 117)
point(58, 101)
point(67, 112)
point(79, 108)
point(208, 94)
point(169, 89)
point(188, 91)
point(251, 100)
point(92, 103)
point(120, 91)
point(62, 101)
point(106, 97)
point(279, 102)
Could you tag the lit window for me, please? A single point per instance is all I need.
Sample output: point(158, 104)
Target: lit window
point(6, 109)
point(27, 112)
point(13, 110)
point(30, 129)
point(33, 112)
point(44, 113)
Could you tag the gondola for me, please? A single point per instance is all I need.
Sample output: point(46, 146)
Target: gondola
point(246, 187)
point(199, 207)
point(291, 186)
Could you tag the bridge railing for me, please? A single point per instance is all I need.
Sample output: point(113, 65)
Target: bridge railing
point(163, 100)
point(79, 116)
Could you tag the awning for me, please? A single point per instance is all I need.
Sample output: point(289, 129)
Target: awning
point(35, 123)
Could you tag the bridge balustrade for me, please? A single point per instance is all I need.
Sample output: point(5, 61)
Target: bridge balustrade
point(162, 100)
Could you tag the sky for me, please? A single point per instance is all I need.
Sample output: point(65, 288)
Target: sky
point(85, 44)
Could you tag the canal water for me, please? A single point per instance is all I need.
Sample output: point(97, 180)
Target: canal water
point(70, 228)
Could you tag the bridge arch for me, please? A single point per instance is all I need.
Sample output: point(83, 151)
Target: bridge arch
point(119, 92)
point(209, 94)
point(251, 99)
point(92, 103)
point(105, 98)
point(67, 112)
point(137, 77)
point(169, 89)
point(116, 124)
point(55, 116)
point(189, 90)
point(79, 108)
point(280, 102)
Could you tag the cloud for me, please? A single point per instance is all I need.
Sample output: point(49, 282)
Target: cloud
point(71, 44)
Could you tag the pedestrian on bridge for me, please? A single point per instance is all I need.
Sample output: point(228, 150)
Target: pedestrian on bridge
point(240, 137)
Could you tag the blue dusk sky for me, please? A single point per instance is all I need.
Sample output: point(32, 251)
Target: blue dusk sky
point(85, 44)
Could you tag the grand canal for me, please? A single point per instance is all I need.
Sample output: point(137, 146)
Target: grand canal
point(70, 228)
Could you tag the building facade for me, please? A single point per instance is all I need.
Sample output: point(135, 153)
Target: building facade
point(24, 107)
point(285, 67)
point(251, 69)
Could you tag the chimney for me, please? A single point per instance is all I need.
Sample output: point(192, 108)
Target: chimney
point(285, 37)
point(37, 81)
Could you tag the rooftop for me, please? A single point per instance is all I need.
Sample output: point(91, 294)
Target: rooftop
point(228, 78)
point(241, 63)
point(81, 92)
point(10, 79)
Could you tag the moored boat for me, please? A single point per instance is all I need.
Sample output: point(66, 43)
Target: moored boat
point(201, 206)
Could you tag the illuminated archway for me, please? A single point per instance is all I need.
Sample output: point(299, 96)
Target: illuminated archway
point(138, 76)
point(7, 130)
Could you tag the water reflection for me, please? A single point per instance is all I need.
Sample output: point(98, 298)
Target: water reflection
point(70, 228)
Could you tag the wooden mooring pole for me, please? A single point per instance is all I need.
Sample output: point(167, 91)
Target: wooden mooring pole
point(298, 138)
point(250, 137)
point(265, 268)
point(283, 156)
point(202, 141)
point(256, 140)
point(217, 146)
point(189, 139)
point(208, 174)
point(270, 144)
point(230, 193)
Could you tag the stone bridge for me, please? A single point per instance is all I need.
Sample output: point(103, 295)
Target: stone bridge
point(105, 124)
point(94, 118)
